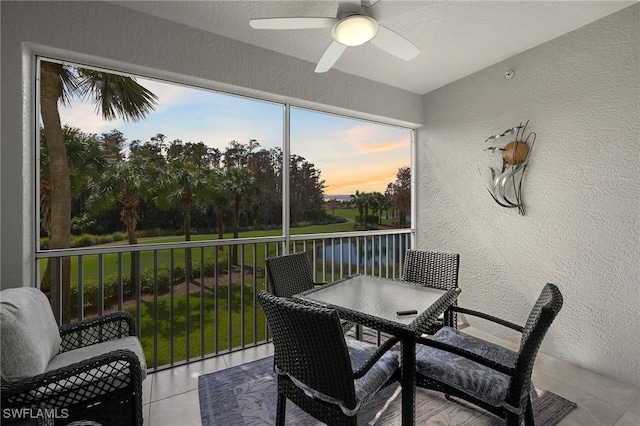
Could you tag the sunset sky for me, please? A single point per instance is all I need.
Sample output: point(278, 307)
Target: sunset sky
point(351, 154)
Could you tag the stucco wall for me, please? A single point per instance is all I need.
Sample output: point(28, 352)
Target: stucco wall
point(581, 231)
point(103, 34)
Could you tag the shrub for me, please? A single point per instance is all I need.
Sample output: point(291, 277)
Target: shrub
point(147, 276)
point(210, 267)
point(90, 290)
point(178, 272)
point(118, 236)
point(155, 232)
point(84, 240)
point(336, 219)
point(103, 239)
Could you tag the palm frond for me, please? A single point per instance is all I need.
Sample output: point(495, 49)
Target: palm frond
point(116, 96)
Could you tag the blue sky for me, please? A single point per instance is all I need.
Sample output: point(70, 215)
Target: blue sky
point(351, 154)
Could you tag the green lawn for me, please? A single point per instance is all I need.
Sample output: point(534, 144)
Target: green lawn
point(351, 213)
point(216, 324)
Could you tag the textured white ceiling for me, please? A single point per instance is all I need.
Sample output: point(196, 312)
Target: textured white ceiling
point(456, 38)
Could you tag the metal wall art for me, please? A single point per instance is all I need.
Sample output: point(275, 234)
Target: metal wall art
point(506, 184)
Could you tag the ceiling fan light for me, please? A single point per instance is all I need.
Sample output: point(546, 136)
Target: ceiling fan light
point(354, 30)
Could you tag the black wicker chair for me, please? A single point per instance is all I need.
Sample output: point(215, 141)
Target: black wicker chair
point(94, 372)
point(486, 374)
point(292, 274)
point(340, 373)
point(433, 269)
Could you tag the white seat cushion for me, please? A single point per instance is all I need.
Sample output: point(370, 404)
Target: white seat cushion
point(82, 354)
point(97, 381)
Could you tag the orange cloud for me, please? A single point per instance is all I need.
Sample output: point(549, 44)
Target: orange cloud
point(363, 178)
point(360, 138)
point(382, 146)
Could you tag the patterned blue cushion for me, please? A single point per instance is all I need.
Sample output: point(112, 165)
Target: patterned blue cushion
point(377, 376)
point(461, 373)
point(367, 385)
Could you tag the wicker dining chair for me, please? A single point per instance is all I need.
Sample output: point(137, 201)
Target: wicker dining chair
point(339, 374)
point(292, 274)
point(484, 373)
point(433, 269)
point(88, 371)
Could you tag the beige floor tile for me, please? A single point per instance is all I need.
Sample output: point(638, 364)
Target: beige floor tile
point(146, 389)
point(248, 355)
point(182, 379)
point(595, 384)
point(631, 417)
point(626, 421)
point(591, 410)
point(145, 414)
point(180, 410)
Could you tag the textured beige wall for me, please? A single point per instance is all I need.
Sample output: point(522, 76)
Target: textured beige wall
point(581, 93)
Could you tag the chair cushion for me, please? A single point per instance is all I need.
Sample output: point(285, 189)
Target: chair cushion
point(461, 373)
point(97, 381)
point(65, 359)
point(377, 376)
point(366, 386)
point(29, 333)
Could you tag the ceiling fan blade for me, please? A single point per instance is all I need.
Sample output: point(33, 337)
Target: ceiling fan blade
point(349, 5)
point(291, 23)
point(393, 43)
point(330, 56)
point(385, 9)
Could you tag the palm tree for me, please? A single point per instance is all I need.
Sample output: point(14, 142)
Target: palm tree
point(363, 200)
point(367, 201)
point(124, 183)
point(239, 183)
point(115, 96)
point(216, 193)
point(86, 160)
point(179, 187)
point(377, 204)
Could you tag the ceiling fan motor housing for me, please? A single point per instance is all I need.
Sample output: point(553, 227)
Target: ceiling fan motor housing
point(354, 29)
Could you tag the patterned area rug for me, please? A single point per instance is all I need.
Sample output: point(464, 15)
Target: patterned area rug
point(246, 395)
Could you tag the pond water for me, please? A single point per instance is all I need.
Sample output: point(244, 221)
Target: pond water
point(356, 250)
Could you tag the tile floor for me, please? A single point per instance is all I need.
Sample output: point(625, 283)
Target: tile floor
point(171, 396)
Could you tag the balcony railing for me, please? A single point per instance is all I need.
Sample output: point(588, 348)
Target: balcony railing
point(195, 300)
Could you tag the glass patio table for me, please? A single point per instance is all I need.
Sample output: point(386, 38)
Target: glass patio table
point(375, 302)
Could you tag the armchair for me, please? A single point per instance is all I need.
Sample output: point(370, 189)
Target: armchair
point(486, 374)
point(338, 374)
point(90, 370)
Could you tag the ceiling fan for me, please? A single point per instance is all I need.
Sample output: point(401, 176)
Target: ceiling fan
point(354, 24)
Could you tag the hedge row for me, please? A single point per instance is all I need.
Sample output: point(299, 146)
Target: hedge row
point(88, 240)
point(164, 280)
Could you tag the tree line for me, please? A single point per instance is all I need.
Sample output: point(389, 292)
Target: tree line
point(140, 182)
